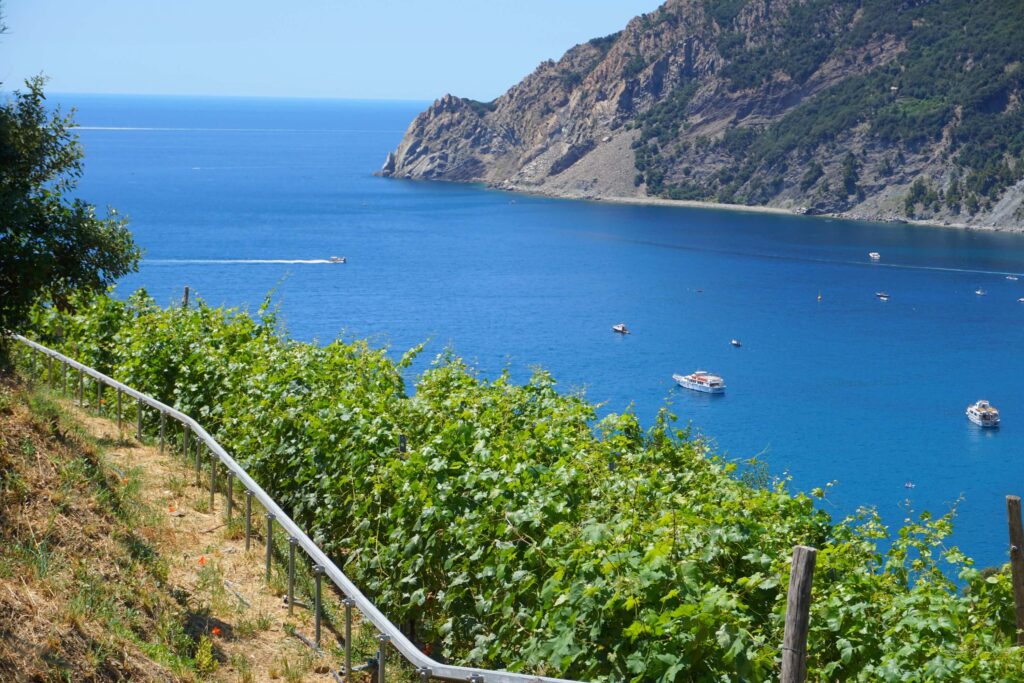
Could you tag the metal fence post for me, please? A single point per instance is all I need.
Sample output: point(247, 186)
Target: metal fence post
point(81, 387)
point(382, 652)
point(199, 465)
point(248, 518)
point(424, 675)
point(270, 542)
point(229, 492)
point(291, 573)
point(163, 425)
point(99, 397)
point(138, 420)
point(318, 573)
point(184, 442)
point(213, 478)
point(118, 412)
point(348, 602)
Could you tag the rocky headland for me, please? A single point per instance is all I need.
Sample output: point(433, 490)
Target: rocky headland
point(877, 110)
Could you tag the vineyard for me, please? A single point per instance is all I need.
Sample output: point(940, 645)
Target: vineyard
point(509, 526)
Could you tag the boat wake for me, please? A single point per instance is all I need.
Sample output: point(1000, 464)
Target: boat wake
point(233, 261)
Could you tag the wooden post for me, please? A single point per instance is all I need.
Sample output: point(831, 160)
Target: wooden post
point(798, 606)
point(1017, 561)
point(184, 298)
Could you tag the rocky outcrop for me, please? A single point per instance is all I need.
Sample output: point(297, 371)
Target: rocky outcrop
point(763, 102)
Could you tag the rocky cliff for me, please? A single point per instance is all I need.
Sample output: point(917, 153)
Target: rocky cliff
point(869, 108)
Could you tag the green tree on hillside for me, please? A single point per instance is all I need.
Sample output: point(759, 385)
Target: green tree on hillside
point(51, 244)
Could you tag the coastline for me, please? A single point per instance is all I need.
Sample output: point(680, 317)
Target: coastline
point(761, 209)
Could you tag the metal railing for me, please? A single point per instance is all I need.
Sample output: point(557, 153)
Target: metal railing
point(322, 565)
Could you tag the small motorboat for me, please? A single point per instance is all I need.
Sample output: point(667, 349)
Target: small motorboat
point(819, 296)
point(337, 259)
point(735, 342)
point(1020, 300)
point(884, 296)
point(620, 328)
point(1011, 277)
point(983, 414)
point(909, 485)
point(874, 256)
point(980, 292)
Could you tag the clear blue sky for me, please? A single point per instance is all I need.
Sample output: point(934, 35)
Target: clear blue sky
point(397, 49)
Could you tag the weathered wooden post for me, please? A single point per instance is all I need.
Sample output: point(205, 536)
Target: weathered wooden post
point(184, 298)
point(1017, 561)
point(798, 606)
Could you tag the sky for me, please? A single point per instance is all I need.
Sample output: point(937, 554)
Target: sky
point(361, 49)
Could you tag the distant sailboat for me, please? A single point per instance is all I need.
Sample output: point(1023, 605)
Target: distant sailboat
point(819, 296)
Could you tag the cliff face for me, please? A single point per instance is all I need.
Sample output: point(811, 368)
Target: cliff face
point(872, 108)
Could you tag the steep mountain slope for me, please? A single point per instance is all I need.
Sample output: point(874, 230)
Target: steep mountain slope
point(872, 108)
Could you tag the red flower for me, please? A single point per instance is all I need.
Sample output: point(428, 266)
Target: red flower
point(215, 630)
point(202, 560)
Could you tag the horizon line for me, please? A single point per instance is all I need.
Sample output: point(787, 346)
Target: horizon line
point(396, 100)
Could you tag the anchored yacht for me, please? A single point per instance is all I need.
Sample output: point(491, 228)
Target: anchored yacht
point(983, 414)
point(701, 380)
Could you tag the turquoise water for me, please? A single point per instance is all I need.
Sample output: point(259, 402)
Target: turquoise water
point(850, 389)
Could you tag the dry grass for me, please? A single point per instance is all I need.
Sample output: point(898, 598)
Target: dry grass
point(119, 569)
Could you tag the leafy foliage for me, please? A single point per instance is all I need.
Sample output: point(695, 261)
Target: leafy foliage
point(50, 245)
point(519, 530)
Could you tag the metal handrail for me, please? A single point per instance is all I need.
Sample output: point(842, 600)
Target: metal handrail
point(429, 668)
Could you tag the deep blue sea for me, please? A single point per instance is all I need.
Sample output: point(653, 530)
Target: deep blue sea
point(869, 394)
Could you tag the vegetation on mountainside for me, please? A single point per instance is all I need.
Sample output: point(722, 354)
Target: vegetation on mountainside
point(520, 531)
point(959, 76)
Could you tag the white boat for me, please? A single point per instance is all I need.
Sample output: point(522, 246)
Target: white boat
point(874, 256)
point(701, 380)
point(980, 292)
point(909, 485)
point(735, 342)
point(620, 328)
point(884, 296)
point(337, 259)
point(1011, 277)
point(983, 414)
point(1020, 300)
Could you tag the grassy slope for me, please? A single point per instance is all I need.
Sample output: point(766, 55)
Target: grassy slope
point(116, 569)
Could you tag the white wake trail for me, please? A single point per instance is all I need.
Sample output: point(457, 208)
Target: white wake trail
point(232, 261)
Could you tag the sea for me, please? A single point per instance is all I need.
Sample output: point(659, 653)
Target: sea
point(240, 197)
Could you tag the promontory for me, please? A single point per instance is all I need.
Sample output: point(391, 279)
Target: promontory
point(880, 109)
